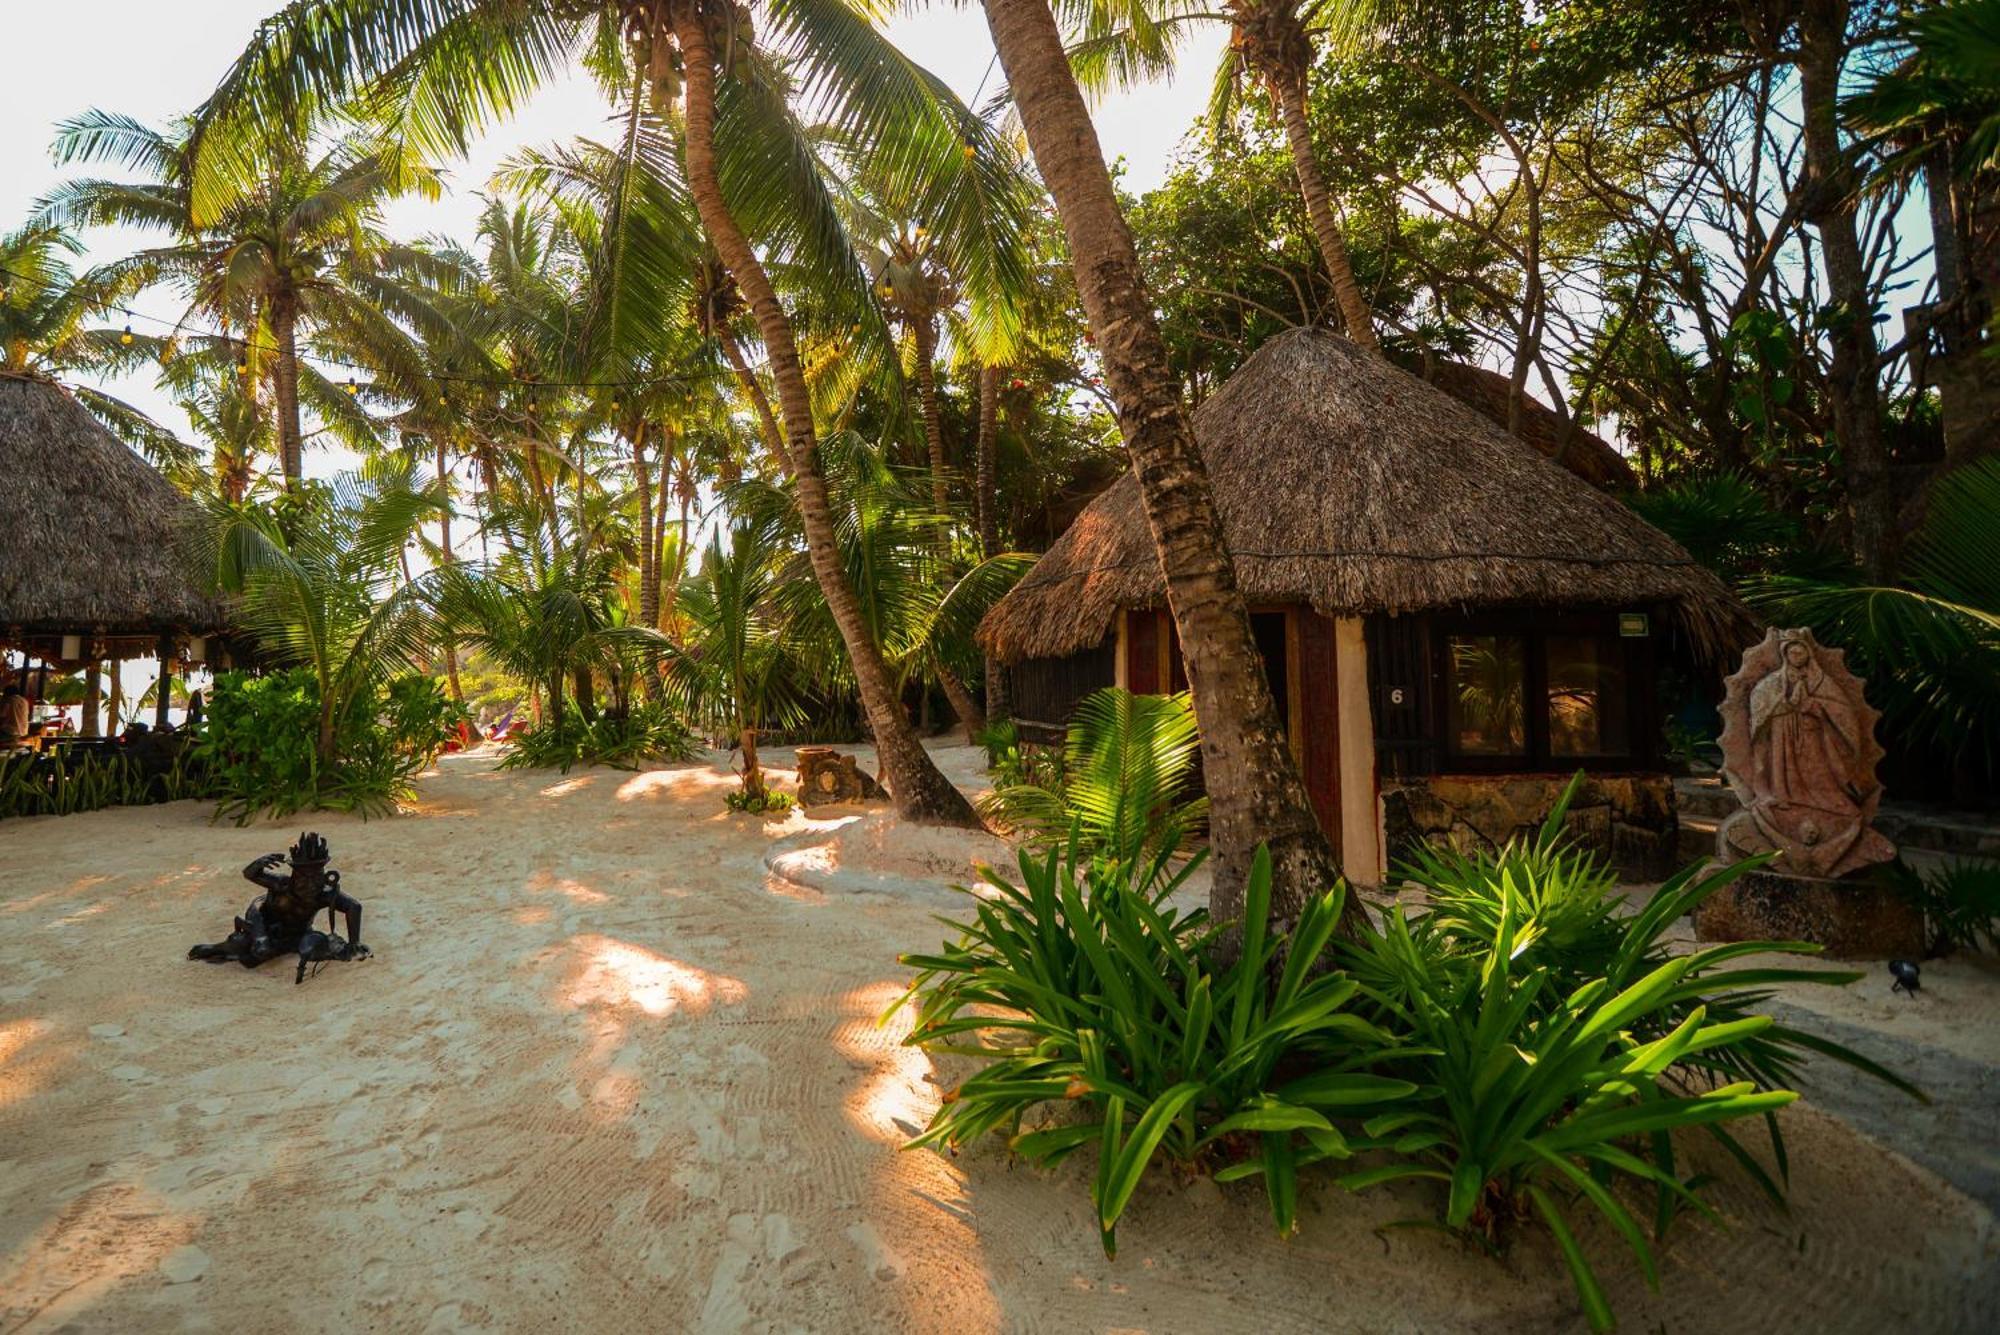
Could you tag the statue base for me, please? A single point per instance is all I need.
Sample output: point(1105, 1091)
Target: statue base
point(1851, 918)
point(827, 777)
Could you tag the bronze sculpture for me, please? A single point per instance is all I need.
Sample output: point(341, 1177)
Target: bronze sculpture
point(280, 921)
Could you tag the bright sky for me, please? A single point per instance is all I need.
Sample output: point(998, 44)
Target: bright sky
point(154, 60)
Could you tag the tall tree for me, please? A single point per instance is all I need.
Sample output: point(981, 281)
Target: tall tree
point(295, 253)
point(442, 68)
point(1254, 786)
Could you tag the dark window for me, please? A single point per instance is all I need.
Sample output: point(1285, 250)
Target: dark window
point(1047, 690)
point(1532, 691)
point(1486, 695)
point(1588, 698)
point(1268, 630)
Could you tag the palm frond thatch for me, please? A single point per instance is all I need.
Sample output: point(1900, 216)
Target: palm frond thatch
point(1354, 487)
point(91, 537)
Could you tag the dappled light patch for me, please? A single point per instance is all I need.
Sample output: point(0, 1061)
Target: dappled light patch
point(22, 1066)
point(896, 1098)
point(619, 975)
point(111, 1233)
point(574, 784)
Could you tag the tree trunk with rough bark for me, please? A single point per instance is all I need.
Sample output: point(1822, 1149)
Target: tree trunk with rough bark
point(1255, 792)
point(753, 769)
point(987, 503)
point(753, 389)
point(291, 440)
point(1853, 375)
point(447, 557)
point(920, 790)
point(93, 701)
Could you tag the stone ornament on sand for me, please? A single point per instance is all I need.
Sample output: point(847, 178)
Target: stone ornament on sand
point(1799, 749)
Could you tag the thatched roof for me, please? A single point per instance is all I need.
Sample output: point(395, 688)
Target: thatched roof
point(1354, 487)
point(1584, 453)
point(90, 531)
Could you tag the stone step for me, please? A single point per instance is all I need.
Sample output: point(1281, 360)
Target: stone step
point(1697, 836)
point(1706, 796)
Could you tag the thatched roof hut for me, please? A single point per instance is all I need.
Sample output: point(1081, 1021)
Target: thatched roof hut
point(1354, 487)
point(90, 543)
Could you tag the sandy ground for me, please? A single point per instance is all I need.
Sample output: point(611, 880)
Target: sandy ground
point(608, 1071)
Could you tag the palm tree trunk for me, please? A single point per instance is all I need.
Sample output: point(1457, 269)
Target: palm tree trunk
point(753, 389)
point(1289, 88)
point(1854, 376)
point(970, 717)
point(93, 701)
point(927, 399)
point(1255, 793)
point(649, 552)
point(446, 557)
point(753, 771)
point(680, 568)
point(987, 503)
point(921, 792)
point(291, 448)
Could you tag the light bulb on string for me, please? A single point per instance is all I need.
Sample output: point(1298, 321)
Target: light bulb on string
point(352, 388)
point(126, 337)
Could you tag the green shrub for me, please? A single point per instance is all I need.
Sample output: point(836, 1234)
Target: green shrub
point(1960, 902)
point(1526, 1044)
point(766, 800)
point(261, 734)
point(646, 733)
point(62, 784)
point(1125, 784)
point(1092, 998)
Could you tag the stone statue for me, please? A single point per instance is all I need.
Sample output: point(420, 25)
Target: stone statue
point(1799, 749)
point(280, 921)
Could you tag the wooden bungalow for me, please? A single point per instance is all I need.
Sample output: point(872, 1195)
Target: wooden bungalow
point(90, 561)
point(1452, 623)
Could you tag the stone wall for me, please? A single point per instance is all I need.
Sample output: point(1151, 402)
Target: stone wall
point(1626, 818)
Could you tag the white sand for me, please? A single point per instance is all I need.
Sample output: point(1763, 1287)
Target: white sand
point(606, 1072)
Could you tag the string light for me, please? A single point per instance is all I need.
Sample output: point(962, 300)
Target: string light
point(320, 359)
point(126, 337)
point(352, 388)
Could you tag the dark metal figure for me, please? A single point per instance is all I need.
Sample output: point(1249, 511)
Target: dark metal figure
point(280, 921)
point(1908, 976)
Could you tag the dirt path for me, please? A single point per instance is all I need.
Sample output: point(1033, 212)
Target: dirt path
point(604, 1072)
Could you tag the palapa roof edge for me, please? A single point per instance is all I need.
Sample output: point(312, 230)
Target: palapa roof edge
point(91, 538)
point(1354, 487)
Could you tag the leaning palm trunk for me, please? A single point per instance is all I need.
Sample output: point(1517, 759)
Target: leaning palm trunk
point(970, 716)
point(753, 389)
point(987, 505)
point(1254, 787)
point(921, 792)
point(649, 552)
point(1289, 89)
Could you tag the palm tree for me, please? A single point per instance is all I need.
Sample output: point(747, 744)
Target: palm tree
point(1254, 786)
point(443, 69)
point(1273, 41)
point(315, 582)
point(46, 309)
point(296, 254)
point(732, 663)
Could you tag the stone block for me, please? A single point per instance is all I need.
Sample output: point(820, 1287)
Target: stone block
point(1852, 919)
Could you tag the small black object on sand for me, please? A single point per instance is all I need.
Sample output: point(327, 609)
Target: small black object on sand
point(1907, 977)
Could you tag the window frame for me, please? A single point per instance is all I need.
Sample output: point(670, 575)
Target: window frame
point(1535, 629)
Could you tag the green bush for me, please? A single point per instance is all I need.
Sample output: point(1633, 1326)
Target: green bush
point(1092, 998)
point(1525, 1044)
point(1125, 784)
point(1960, 902)
point(645, 733)
point(766, 800)
point(261, 734)
point(61, 785)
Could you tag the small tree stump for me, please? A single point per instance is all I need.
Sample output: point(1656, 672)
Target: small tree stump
point(827, 777)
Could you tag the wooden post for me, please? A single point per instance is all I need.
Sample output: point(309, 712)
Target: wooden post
point(93, 700)
point(111, 725)
point(163, 694)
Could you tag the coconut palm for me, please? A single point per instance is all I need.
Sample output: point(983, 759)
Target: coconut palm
point(1274, 43)
point(315, 581)
point(46, 309)
point(733, 664)
point(294, 257)
point(1255, 790)
point(439, 70)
